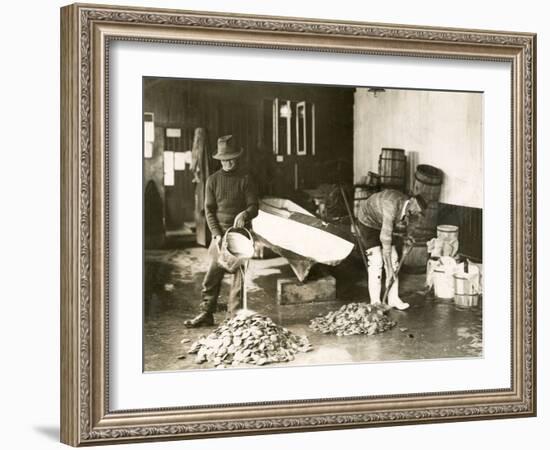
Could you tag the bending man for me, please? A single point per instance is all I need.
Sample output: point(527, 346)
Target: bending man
point(378, 216)
point(231, 199)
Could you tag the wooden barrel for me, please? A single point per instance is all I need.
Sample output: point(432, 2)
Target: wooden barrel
point(427, 182)
point(465, 294)
point(417, 259)
point(425, 227)
point(372, 179)
point(392, 167)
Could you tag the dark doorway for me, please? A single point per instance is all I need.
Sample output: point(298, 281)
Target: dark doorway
point(153, 217)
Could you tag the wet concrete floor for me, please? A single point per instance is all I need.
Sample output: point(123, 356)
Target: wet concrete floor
point(431, 328)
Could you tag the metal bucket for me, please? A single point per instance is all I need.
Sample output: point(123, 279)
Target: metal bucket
point(236, 248)
point(443, 284)
point(443, 280)
point(448, 234)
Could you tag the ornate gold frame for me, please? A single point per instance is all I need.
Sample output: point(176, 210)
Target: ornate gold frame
point(86, 31)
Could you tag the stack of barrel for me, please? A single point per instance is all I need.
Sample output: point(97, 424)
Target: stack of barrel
point(427, 183)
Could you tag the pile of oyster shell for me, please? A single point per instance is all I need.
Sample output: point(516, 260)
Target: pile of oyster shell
point(248, 339)
point(354, 318)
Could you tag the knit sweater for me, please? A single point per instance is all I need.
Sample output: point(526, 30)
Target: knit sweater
point(227, 194)
point(381, 211)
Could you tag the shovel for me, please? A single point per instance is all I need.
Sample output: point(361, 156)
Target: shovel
point(406, 250)
point(355, 231)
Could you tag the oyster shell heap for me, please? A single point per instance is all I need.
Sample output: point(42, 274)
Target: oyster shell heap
point(354, 318)
point(248, 339)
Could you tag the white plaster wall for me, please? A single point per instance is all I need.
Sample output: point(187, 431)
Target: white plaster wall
point(443, 129)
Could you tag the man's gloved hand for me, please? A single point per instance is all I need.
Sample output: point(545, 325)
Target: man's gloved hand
point(386, 257)
point(240, 219)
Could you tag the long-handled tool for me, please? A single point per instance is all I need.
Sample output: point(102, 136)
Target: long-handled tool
point(355, 231)
point(407, 247)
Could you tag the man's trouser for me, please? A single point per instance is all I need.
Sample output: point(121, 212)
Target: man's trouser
point(212, 283)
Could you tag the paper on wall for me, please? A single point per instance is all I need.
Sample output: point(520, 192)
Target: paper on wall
point(169, 178)
point(168, 161)
point(149, 131)
point(181, 159)
point(173, 132)
point(148, 149)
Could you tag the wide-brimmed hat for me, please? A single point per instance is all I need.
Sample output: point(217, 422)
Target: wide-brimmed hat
point(226, 150)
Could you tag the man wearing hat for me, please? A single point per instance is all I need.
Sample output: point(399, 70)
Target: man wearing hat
point(231, 199)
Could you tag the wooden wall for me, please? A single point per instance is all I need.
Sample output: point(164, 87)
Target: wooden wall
point(470, 227)
point(238, 108)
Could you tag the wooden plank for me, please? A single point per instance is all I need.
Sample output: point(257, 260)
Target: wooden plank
point(292, 291)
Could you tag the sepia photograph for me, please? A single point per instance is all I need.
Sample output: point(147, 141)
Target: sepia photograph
point(303, 224)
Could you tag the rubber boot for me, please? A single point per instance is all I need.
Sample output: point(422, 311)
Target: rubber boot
point(374, 260)
point(204, 319)
point(393, 296)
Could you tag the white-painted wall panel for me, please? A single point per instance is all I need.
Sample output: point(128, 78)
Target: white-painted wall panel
point(443, 129)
